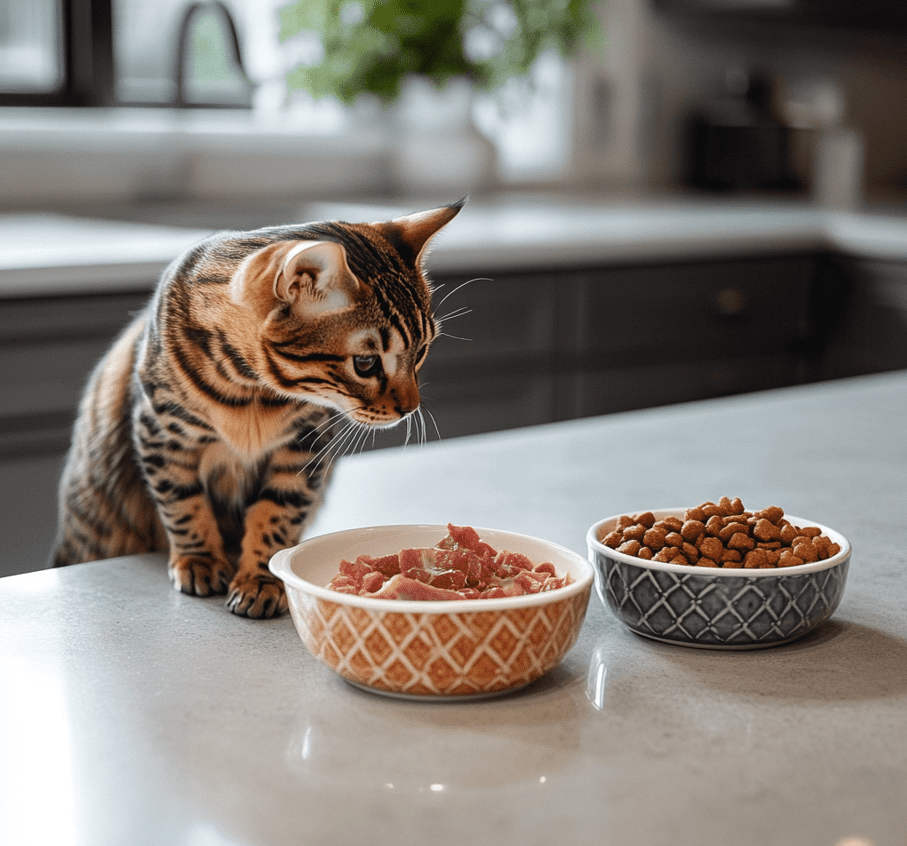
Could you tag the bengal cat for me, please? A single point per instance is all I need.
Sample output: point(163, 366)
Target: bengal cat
point(201, 430)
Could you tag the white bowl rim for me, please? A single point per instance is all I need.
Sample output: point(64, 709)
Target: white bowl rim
point(281, 566)
point(722, 572)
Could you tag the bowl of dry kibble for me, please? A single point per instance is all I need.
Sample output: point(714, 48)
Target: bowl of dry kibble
point(718, 575)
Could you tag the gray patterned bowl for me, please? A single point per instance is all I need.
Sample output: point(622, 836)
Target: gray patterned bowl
point(717, 608)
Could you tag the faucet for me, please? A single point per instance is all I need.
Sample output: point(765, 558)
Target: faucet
point(180, 100)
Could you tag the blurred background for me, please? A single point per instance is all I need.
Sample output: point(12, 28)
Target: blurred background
point(670, 200)
point(614, 112)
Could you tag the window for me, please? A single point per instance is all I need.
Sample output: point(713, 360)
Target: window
point(128, 52)
point(208, 53)
point(31, 48)
point(56, 52)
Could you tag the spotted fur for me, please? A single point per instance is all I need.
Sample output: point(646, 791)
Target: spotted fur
point(199, 431)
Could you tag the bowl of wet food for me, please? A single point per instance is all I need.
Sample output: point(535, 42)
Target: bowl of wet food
point(717, 575)
point(435, 611)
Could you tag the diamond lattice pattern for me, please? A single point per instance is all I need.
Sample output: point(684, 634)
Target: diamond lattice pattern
point(441, 654)
point(733, 611)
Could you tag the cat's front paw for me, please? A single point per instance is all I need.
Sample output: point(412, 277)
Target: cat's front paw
point(257, 596)
point(200, 576)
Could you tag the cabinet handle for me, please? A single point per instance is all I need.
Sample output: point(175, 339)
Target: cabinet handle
point(731, 302)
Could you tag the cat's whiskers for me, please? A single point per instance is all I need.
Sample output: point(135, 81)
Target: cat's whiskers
point(330, 451)
point(349, 437)
point(364, 433)
point(462, 311)
point(410, 421)
point(315, 433)
point(352, 439)
point(425, 425)
point(422, 410)
point(434, 423)
point(459, 287)
point(453, 315)
point(441, 322)
point(416, 429)
point(448, 335)
point(324, 425)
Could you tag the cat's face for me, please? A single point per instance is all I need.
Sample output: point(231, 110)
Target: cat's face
point(372, 372)
point(346, 320)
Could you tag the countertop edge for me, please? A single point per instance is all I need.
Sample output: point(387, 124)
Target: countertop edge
point(511, 241)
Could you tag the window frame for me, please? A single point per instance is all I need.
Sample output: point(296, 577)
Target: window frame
point(87, 57)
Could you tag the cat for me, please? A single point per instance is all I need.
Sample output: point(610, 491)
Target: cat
point(201, 431)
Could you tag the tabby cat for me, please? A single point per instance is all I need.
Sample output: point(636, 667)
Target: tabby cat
point(200, 431)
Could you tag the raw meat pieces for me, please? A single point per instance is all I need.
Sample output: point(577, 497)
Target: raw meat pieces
point(460, 566)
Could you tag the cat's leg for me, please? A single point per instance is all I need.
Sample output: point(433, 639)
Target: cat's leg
point(198, 564)
point(170, 458)
point(288, 500)
point(254, 591)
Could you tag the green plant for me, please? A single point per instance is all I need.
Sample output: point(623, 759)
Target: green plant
point(370, 46)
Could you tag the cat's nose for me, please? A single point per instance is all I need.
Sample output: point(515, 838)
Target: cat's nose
point(407, 407)
point(406, 399)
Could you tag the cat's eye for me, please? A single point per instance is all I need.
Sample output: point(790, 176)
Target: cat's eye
point(366, 365)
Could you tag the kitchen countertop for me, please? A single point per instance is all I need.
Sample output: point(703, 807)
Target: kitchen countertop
point(43, 254)
point(47, 254)
point(130, 713)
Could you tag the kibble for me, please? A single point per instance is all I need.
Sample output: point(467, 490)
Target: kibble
point(722, 534)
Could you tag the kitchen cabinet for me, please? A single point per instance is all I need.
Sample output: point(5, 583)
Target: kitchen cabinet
point(48, 346)
point(864, 329)
point(526, 348)
point(553, 346)
point(494, 366)
point(645, 336)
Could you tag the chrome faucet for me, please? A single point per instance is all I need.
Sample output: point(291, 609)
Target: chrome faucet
point(180, 99)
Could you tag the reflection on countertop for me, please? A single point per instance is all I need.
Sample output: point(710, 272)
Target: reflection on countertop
point(327, 756)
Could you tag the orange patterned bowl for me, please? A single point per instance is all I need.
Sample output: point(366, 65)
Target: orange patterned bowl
point(431, 649)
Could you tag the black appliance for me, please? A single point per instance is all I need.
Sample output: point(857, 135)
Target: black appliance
point(736, 143)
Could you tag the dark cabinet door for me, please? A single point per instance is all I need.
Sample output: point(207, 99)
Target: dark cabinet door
point(648, 336)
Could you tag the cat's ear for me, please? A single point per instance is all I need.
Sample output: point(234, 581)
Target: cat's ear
point(315, 278)
point(410, 235)
point(312, 276)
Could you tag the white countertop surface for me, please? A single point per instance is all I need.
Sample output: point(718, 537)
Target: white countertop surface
point(45, 254)
point(131, 714)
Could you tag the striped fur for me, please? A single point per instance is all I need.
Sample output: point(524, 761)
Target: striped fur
point(197, 431)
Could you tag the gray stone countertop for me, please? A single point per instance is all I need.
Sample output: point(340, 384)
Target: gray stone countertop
point(132, 714)
point(44, 254)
